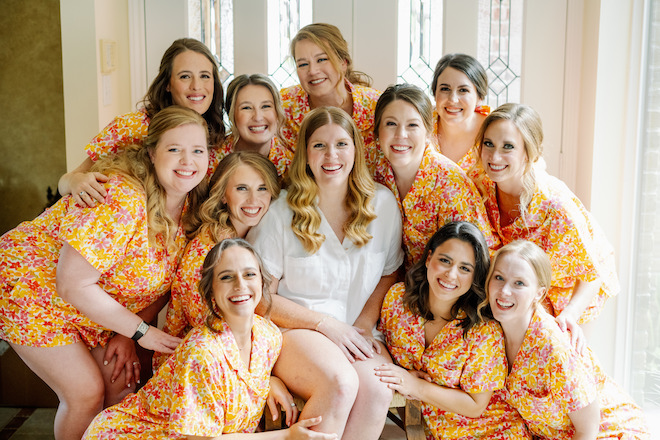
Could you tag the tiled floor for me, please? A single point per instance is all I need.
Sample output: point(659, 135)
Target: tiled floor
point(39, 425)
point(26, 423)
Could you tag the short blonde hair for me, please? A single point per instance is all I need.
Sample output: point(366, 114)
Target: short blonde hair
point(303, 191)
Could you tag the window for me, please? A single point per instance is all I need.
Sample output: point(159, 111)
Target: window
point(420, 41)
point(500, 48)
point(646, 275)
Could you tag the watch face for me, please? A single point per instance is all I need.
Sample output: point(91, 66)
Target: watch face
point(143, 327)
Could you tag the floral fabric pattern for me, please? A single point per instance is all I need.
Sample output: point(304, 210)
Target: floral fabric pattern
point(441, 193)
point(295, 102)
point(187, 308)
point(474, 364)
point(112, 237)
point(279, 154)
point(470, 159)
point(559, 223)
point(548, 380)
point(204, 389)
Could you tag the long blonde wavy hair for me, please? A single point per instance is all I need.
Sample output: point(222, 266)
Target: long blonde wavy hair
point(528, 122)
point(214, 216)
point(135, 165)
point(303, 190)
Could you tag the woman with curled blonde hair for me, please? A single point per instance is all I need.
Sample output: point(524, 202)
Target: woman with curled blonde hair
point(78, 283)
point(256, 118)
point(242, 188)
point(523, 202)
point(327, 78)
point(333, 245)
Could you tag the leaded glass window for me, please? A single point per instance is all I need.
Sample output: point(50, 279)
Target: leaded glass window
point(420, 41)
point(285, 18)
point(500, 51)
point(215, 26)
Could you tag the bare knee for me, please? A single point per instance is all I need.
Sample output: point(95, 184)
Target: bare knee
point(87, 394)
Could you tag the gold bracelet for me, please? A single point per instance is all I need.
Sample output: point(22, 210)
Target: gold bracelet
point(321, 322)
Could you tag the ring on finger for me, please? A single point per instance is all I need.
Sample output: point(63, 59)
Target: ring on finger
point(82, 193)
point(293, 404)
point(136, 363)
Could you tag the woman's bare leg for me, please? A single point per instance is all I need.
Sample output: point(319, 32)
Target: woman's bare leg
point(114, 391)
point(369, 412)
point(73, 374)
point(314, 368)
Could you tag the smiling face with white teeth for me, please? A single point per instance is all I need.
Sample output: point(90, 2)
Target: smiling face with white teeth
point(181, 160)
point(513, 290)
point(247, 198)
point(191, 83)
point(402, 136)
point(504, 156)
point(237, 283)
point(456, 97)
point(317, 74)
point(450, 271)
point(255, 118)
point(331, 156)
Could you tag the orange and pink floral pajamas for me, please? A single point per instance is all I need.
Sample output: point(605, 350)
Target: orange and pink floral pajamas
point(112, 237)
point(279, 154)
point(474, 364)
point(548, 380)
point(295, 102)
point(470, 159)
point(559, 223)
point(441, 192)
point(187, 308)
point(204, 389)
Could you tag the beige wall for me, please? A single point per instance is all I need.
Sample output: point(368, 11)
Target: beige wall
point(32, 109)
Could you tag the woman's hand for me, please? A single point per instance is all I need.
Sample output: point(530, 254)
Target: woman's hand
point(567, 322)
point(301, 431)
point(279, 394)
point(158, 340)
point(127, 359)
point(401, 380)
point(86, 187)
point(349, 339)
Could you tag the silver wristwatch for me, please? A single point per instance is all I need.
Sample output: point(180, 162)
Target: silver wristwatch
point(141, 331)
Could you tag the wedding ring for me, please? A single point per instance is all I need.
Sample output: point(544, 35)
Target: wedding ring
point(293, 404)
point(136, 363)
point(82, 193)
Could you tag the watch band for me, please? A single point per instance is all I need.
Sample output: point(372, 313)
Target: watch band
point(141, 331)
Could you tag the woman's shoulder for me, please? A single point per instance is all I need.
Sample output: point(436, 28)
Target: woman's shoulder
point(292, 92)
point(384, 200)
